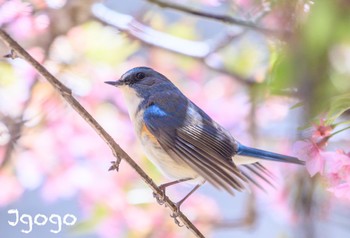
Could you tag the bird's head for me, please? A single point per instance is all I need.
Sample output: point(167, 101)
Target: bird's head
point(141, 82)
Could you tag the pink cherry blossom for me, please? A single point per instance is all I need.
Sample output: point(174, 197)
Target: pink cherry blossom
point(338, 174)
point(333, 166)
point(311, 154)
point(321, 131)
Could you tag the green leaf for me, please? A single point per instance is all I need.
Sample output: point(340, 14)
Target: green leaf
point(282, 73)
point(338, 105)
point(320, 27)
point(103, 45)
point(297, 105)
point(7, 75)
point(342, 123)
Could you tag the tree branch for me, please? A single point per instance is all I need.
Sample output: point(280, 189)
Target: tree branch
point(201, 50)
point(118, 152)
point(217, 17)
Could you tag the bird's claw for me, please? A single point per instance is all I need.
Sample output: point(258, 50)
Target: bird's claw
point(160, 197)
point(175, 214)
point(177, 221)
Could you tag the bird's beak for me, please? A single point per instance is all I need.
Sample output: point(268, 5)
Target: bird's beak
point(115, 83)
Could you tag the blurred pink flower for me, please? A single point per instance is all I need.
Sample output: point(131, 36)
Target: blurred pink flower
point(111, 227)
point(272, 110)
point(338, 164)
point(12, 10)
point(11, 189)
point(338, 174)
point(25, 71)
point(20, 21)
point(341, 191)
point(311, 154)
point(41, 22)
point(244, 3)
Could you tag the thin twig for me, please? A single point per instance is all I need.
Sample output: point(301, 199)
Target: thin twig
point(118, 152)
point(226, 19)
point(14, 126)
point(17, 126)
point(201, 50)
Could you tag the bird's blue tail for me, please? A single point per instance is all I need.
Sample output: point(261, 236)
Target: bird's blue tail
point(266, 155)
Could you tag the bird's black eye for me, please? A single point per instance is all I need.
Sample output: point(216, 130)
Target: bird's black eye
point(140, 76)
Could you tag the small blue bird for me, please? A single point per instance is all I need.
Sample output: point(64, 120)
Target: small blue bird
point(183, 141)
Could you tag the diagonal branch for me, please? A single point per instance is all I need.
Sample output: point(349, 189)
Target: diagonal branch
point(118, 152)
point(201, 50)
point(218, 17)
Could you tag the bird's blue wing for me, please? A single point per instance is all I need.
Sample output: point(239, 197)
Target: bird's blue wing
point(196, 140)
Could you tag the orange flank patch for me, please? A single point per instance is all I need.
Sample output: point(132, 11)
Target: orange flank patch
point(146, 132)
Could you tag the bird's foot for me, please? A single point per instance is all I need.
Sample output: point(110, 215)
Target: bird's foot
point(176, 213)
point(160, 197)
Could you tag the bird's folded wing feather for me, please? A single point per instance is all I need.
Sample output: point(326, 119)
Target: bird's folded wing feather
point(201, 145)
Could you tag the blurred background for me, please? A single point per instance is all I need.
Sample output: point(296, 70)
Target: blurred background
point(276, 74)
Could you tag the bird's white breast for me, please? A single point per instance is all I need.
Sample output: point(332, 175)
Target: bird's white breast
point(154, 152)
point(132, 101)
